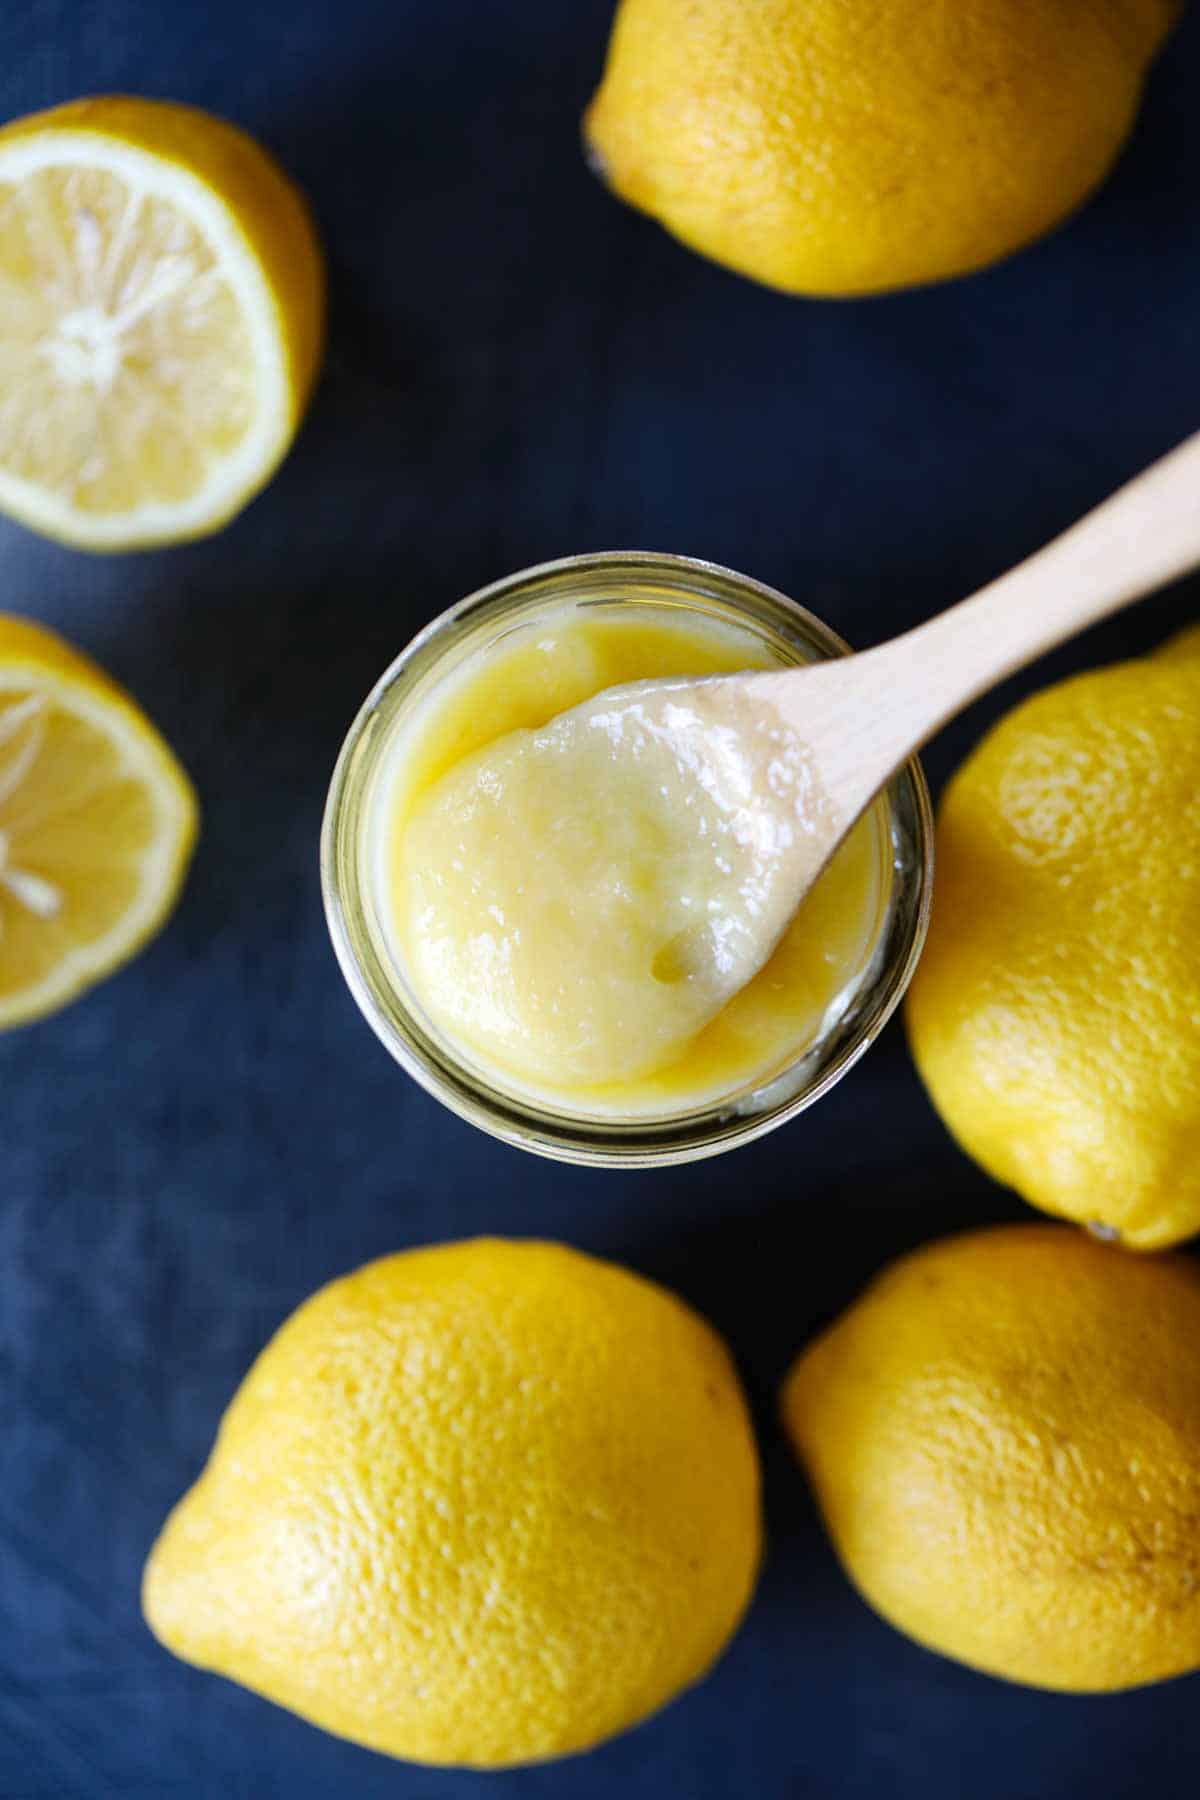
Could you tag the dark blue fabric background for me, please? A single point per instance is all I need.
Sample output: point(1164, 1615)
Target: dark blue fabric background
point(519, 368)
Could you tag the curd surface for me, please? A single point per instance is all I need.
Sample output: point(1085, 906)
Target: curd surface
point(572, 909)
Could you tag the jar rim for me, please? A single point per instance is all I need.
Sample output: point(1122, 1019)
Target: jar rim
point(540, 1126)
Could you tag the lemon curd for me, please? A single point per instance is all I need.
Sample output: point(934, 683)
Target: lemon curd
point(509, 910)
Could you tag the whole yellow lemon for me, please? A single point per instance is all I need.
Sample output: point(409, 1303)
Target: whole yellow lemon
point(849, 146)
point(1055, 1015)
point(1003, 1434)
point(480, 1504)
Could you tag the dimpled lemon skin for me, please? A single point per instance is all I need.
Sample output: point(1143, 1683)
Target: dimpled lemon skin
point(1055, 1014)
point(479, 1505)
point(1003, 1435)
point(848, 147)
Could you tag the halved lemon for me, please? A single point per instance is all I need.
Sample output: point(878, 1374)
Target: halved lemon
point(161, 316)
point(97, 824)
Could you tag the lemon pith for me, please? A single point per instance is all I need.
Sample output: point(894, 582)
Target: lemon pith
point(161, 301)
point(97, 824)
point(482, 1504)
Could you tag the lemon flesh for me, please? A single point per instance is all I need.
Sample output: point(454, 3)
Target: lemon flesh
point(160, 294)
point(97, 822)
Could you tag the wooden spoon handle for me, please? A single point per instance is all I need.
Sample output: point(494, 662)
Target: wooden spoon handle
point(1145, 535)
point(872, 711)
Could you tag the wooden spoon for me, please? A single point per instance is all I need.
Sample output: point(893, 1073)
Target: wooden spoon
point(609, 881)
point(861, 717)
point(773, 769)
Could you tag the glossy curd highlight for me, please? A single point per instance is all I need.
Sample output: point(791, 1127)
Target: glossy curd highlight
point(562, 912)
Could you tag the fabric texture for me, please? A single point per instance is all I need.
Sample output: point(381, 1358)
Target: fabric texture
point(519, 368)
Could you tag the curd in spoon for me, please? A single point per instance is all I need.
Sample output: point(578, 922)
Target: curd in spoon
point(668, 830)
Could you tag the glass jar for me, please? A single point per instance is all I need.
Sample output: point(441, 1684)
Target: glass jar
point(349, 879)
